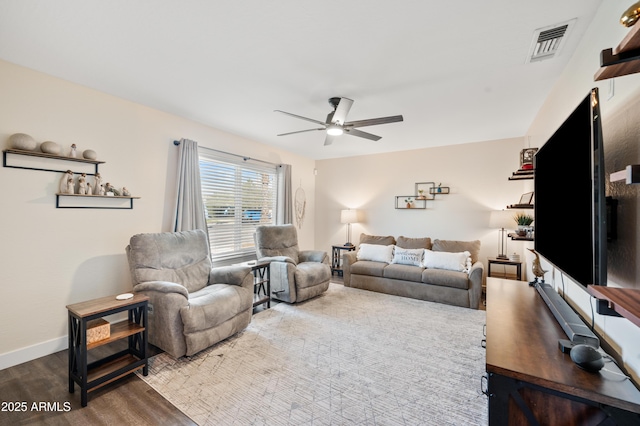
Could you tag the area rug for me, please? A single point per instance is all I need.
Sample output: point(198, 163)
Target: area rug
point(348, 357)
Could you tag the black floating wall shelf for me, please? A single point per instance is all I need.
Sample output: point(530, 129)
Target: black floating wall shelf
point(424, 191)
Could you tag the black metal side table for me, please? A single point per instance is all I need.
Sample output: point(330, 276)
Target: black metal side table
point(504, 263)
point(336, 256)
point(261, 281)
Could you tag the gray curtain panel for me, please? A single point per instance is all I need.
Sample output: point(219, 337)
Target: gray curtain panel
point(284, 209)
point(189, 211)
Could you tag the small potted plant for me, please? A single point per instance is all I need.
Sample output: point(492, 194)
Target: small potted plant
point(409, 202)
point(523, 220)
point(421, 195)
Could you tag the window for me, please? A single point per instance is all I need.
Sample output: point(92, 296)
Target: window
point(238, 196)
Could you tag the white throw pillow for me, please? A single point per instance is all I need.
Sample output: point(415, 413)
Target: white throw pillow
point(445, 260)
point(375, 253)
point(408, 256)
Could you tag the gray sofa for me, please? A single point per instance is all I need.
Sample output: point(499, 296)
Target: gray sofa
point(452, 287)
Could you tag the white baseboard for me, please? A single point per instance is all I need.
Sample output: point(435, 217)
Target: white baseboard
point(9, 359)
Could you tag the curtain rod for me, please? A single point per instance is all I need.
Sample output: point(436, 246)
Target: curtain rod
point(244, 157)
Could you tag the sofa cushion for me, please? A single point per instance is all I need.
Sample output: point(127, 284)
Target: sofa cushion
point(375, 239)
point(214, 305)
point(450, 261)
point(446, 278)
point(414, 243)
point(411, 257)
point(366, 267)
point(375, 253)
point(403, 272)
point(452, 246)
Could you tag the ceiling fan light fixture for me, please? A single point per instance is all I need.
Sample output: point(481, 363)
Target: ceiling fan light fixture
point(334, 130)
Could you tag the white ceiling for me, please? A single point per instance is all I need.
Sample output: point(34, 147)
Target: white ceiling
point(455, 70)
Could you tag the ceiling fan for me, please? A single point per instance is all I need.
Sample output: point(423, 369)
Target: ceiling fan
point(336, 123)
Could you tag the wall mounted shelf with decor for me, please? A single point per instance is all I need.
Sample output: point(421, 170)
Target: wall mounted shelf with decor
point(516, 237)
point(414, 204)
point(31, 160)
point(424, 191)
point(440, 190)
point(526, 165)
point(525, 202)
point(623, 60)
point(79, 201)
point(429, 190)
point(40, 161)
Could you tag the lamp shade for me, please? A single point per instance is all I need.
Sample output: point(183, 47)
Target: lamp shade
point(501, 219)
point(349, 216)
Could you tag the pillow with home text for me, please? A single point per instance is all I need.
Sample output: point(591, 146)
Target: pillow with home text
point(408, 256)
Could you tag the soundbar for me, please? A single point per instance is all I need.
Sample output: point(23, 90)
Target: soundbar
point(573, 326)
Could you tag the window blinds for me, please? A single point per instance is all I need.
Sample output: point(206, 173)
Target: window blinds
point(238, 195)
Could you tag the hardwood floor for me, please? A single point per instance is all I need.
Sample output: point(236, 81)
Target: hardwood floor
point(129, 401)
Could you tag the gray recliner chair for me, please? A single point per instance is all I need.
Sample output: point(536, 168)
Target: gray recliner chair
point(191, 305)
point(296, 275)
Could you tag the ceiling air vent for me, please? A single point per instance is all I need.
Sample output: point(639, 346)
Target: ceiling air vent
point(548, 41)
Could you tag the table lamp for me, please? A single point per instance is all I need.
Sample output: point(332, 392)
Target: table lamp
point(349, 216)
point(501, 219)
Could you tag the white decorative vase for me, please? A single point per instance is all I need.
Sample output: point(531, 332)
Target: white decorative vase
point(89, 154)
point(22, 141)
point(50, 147)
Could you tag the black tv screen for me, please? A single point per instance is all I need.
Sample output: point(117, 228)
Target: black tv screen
point(570, 204)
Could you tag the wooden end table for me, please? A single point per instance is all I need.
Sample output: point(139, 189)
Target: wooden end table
point(108, 369)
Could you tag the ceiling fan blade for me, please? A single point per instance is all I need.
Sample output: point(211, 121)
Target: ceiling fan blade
point(374, 121)
point(301, 117)
point(340, 115)
point(300, 131)
point(361, 134)
point(329, 140)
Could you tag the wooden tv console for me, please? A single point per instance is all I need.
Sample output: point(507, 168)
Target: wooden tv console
point(530, 381)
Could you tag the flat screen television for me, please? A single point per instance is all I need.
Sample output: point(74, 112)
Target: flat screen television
point(570, 204)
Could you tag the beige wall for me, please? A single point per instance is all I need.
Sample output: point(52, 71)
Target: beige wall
point(620, 118)
point(477, 174)
point(53, 257)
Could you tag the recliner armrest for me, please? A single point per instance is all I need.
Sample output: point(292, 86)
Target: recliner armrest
point(348, 259)
point(285, 259)
point(233, 274)
point(313, 256)
point(162, 287)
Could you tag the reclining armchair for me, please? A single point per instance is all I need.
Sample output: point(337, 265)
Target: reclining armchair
point(191, 305)
point(296, 275)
